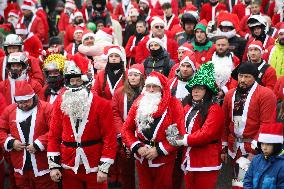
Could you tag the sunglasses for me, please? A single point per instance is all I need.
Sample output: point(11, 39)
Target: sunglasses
point(159, 27)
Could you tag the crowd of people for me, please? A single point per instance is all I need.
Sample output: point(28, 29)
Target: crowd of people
point(99, 94)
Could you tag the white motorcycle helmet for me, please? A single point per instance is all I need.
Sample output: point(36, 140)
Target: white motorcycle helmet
point(13, 40)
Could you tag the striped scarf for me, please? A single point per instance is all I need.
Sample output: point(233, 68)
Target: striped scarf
point(277, 59)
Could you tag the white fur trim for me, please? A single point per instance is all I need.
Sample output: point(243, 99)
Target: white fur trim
point(187, 59)
point(116, 51)
point(157, 20)
point(184, 140)
point(144, 1)
point(184, 48)
point(53, 154)
point(156, 40)
point(108, 160)
point(134, 144)
point(215, 168)
point(225, 89)
point(6, 143)
point(39, 144)
point(90, 34)
point(281, 30)
point(13, 14)
point(224, 143)
point(27, 97)
point(21, 31)
point(78, 30)
point(70, 5)
point(134, 70)
point(253, 144)
point(77, 14)
point(112, 89)
point(161, 146)
point(26, 7)
point(153, 80)
point(227, 23)
point(256, 46)
point(270, 138)
point(84, 78)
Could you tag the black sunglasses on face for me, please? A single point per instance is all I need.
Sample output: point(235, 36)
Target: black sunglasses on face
point(159, 27)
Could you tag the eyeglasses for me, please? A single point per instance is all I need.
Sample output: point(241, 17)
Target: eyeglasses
point(159, 27)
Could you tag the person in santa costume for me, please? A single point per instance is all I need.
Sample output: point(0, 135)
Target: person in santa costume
point(77, 35)
point(202, 46)
point(185, 72)
point(170, 18)
point(242, 8)
point(17, 68)
point(132, 43)
point(121, 103)
point(224, 63)
point(13, 17)
point(228, 25)
point(31, 42)
point(157, 31)
point(274, 56)
point(258, 29)
point(204, 124)
point(159, 59)
point(130, 28)
point(157, 6)
point(188, 23)
point(81, 141)
point(33, 22)
point(266, 169)
point(267, 74)
point(2, 164)
point(13, 43)
point(113, 76)
point(145, 11)
point(144, 132)
point(278, 91)
point(24, 126)
point(246, 108)
point(53, 70)
point(64, 19)
point(208, 10)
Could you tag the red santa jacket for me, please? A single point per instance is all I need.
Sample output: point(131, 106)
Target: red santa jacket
point(94, 126)
point(2, 107)
point(49, 98)
point(42, 14)
point(108, 91)
point(37, 27)
point(159, 11)
point(69, 35)
point(241, 10)
point(172, 22)
point(279, 88)
point(11, 6)
point(9, 124)
point(63, 22)
point(204, 139)
point(34, 72)
point(121, 11)
point(207, 11)
point(171, 112)
point(70, 49)
point(142, 52)
point(259, 108)
point(2, 53)
point(268, 42)
point(269, 78)
point(33, 45)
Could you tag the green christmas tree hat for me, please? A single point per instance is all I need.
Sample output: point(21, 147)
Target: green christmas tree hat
point(204, 76)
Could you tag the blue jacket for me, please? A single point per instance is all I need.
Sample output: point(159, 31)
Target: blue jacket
point(265, 174)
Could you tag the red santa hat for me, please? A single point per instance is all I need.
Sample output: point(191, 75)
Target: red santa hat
point(83, 64)
point(157, 20)
point(155, 40)
point(186, 47)
point(114, 49)
point(281, 28)
point(21, 29)
point(133, 12)
point(14, 13)
point(189, 57)
point(137, 68)
point(77, 14)
point(28, 5)
point(23, 91)
point(87, 33)
point(144, 1)
point(70, 4)
point(156, 79)
point(78, 29)
point(271, 133)
point(256, 44)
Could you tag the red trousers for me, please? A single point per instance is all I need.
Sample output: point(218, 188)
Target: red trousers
point(155, 177)
point(81, 180)
point(201, 179)
point(29, 181)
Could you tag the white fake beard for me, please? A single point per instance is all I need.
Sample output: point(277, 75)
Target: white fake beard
point(147, 106)
point(223, 70)
point(74, 104)
point(13, 21)
point(229, 34)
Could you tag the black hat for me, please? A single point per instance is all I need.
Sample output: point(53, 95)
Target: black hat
point(55, 41)
point(245, 68)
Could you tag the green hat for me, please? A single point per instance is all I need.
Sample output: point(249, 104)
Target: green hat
point(201, 25)
point(204, 76)
point(91, 26)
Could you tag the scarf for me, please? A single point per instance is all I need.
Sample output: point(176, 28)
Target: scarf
point(277, 59)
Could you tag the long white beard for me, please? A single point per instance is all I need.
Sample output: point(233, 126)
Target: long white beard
point(89, 50)
point(75, 104)
point(147, 106)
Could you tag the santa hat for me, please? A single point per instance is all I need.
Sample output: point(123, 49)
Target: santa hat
point(144, 1)
point(86, 34)
point(77, 14)
point(14, 13)
point(137, 68)
point(164, 2)
point(23, 91)
point(256, 44)
point(201, 25)
point(157, 20)
point(281, 28)
point(133, 12)
point(78, 29)
point(186, 47)
point(189, 57)
point(156, 78)
point(156, 40)
point(21, 29)
point(114, 49)
point(70, 4)
point(271, 133)
point(28, 5)
point(256, 20)
point(82, 63)
point(105, 33)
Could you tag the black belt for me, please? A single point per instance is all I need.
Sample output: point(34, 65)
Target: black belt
point(82, 144)
point(149, 142)
point(214, 141)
